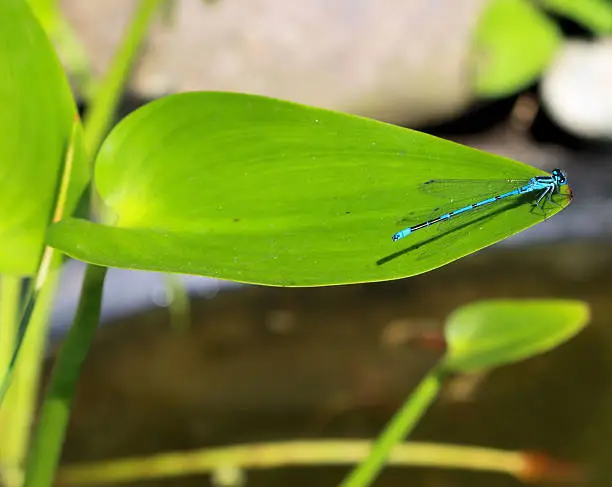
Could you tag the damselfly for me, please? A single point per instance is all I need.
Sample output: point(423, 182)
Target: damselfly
point(542, 187)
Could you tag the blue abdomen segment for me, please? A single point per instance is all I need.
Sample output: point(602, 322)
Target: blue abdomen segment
point(401, 234)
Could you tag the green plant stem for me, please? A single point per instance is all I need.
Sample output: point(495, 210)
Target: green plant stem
point(51, 429)
point(402, 423)
point(316, 453)
point(10, 287)
point(103, 105)
point(17, 410)
point(178, 299)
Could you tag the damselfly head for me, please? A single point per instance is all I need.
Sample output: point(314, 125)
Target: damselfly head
point(559, 177)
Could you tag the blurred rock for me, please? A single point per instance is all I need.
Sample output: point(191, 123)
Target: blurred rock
point(577, 89)
point(403, 62)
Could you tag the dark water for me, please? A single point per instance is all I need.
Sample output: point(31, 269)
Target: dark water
point(261, 364)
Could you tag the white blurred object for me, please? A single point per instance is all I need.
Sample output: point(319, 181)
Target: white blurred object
point(577, 89)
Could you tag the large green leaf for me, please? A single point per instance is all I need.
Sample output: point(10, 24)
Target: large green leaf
point(36, 121)
point(496, 332)
point(259, 190)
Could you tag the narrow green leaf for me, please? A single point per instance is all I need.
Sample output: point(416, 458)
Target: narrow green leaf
point(259, 190)
point(493, 333)
point(51, 427)
point(513, 45)
point(36, 121)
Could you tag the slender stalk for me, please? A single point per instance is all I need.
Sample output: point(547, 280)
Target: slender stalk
point(290, 453)
point(101, 111)
point(17, 411)
point(178, 303)
point(10, 287)
point(51, 429)
point(402, 423)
